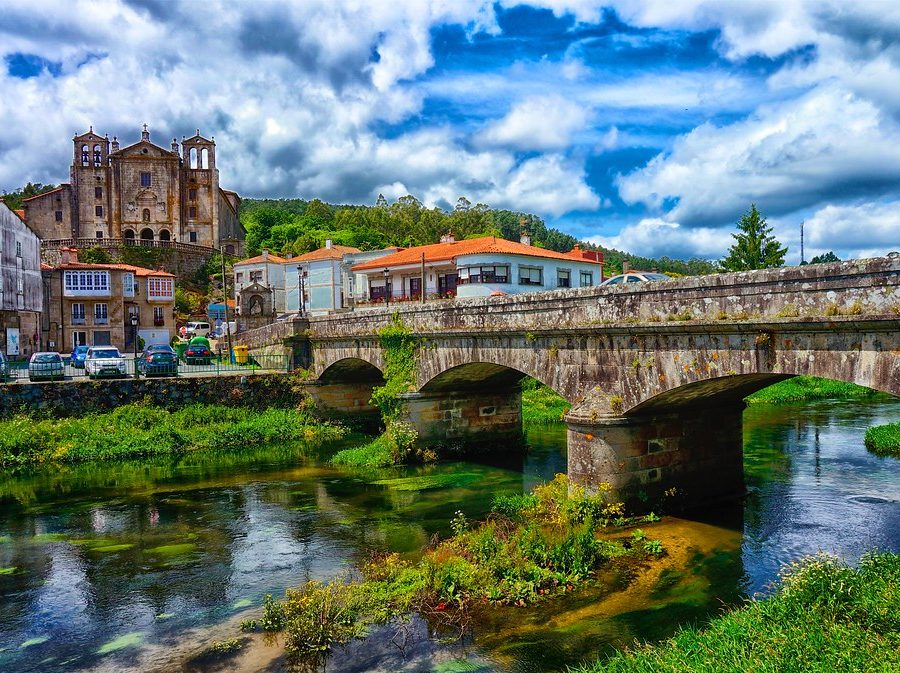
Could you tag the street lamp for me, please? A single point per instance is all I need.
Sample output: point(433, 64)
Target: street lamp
point(134, 336)
point(387, 289)
point(300, 288)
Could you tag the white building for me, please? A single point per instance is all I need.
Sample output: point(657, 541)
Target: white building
point(478, 268)
point(322, 279)
point(267, 270)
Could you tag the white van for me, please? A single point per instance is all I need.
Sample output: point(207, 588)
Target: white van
point(198, 329)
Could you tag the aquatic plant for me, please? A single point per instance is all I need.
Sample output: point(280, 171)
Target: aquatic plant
point(884, 440)
point(824, 617)
point(541, 405)
point(804, 388)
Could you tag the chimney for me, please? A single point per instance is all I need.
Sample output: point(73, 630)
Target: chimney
point(265, 255)
point(448, 238)
point(577, 248)
point(625, 266)
point(68, 256)
point(289, 256)
point(328, 244)
point(525, 238)
point(175, 145)
point(115, 144)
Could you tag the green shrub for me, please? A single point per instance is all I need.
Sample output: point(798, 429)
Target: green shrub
point(884, 440)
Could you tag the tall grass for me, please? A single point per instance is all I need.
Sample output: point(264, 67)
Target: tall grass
point(806, 388)
point(825, 617)
point(139, 430)
point(884, 440)
point(540, 404)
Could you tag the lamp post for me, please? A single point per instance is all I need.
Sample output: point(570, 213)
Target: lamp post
point(300, 289)
point(387, 289)
point(134, 336)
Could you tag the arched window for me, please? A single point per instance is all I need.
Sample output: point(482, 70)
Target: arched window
point(96, 155)
point(146, 234)
point(145, 215)
point(129, 235)
point(85, 155)
point(229, 249)
point(164, 235)
point(204, 158)
point(193, 157)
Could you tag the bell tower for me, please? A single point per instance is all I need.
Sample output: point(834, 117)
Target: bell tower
point(200, 188)
point(90, 182)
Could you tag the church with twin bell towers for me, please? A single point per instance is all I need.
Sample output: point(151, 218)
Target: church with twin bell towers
point(141, 193)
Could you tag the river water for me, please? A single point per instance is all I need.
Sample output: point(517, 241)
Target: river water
point(132, 566)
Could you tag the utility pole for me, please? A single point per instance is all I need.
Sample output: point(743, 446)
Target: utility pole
point(802, 255)
point(422, 292)
point(225, 301)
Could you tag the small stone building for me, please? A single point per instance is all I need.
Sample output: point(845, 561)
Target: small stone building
point(257, 306)
point(142, 191)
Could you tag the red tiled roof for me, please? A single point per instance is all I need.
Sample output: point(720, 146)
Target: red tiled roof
point(273, 259)
point(136, 270)
point(438, 252)
point(20, 213)
point(334, 252)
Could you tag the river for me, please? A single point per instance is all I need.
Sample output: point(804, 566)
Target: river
point(132, 566)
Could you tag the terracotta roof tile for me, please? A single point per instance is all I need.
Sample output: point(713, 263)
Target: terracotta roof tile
point(438, 252)
point(334, 252)
point(52, 191)
point(272, 259)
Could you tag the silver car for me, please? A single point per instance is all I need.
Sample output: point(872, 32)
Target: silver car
point(104, 361)
point(635, 277)
point(45, 366)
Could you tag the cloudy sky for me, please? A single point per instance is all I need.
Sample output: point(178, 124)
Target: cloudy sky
point(647, 125)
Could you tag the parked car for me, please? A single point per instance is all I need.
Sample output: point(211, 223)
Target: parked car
point(45, 365)
point(198, 354)
point(159, 360)
point(4, 368)
point(104, 361)
point(635, 277)
point(78, 355)
point(195, 328)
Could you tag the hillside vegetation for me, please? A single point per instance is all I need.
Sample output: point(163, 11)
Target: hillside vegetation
point(298, 226)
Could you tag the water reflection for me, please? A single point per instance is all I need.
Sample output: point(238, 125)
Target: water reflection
point(110, 564)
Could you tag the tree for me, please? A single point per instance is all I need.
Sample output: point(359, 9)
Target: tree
point(823, 259)
point(13, 200)
point(754, 247)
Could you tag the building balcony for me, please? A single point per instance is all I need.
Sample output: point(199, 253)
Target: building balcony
point(79, 321)
point(101, 321)
point(161, 298)
point(69, 292)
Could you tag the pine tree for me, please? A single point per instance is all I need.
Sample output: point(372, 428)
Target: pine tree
point(754, 247)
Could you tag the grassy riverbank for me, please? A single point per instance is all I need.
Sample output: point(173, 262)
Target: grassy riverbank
point(138, 430)
point(808, 388)
point(825, 617)
point(531, 547)
point(540, 404)
point(884, 440)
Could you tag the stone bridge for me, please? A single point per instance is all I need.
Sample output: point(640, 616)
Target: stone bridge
point(656, 372)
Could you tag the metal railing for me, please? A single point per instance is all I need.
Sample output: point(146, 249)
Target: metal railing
point(218, 364)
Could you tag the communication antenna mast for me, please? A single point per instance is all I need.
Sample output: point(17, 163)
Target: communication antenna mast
point(802, 256)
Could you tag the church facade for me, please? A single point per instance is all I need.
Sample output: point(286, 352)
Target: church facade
point(142, 192)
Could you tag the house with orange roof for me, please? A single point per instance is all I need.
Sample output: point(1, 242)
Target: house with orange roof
point(478, 267)
point(92, 304)
point(319, 277)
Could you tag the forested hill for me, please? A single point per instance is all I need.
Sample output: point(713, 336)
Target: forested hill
point(298, 226)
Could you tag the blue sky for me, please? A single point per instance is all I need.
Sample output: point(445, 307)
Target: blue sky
point(648, 126)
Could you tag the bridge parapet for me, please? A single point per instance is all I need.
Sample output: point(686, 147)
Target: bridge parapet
point(869, 287)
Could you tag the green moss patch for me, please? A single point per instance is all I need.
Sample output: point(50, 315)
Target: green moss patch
point(884, 440)
point(429, 481)
point(132, 639)
point(172, 549)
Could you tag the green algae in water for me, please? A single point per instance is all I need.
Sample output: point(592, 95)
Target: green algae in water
point(165, 615)
point(112, 548)
point(8, 570)
point(128, 640)
point(430, 481)
point(49, 537)
point(4, 539)
point(242, 603)
point(460, 666)
point(34, 641)
point(173, 549)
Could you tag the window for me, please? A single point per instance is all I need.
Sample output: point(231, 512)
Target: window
point(192, 213)
point(18, 248)
point(192, 194)
point(102, 338)
point(97, 155)
point(563, 278)
point(98, 211)
point(86, 282)
point(587, 278)
point(239, 278)
point(159, 318)
point(128, 286)
point(531, 275)
point(159, 288)
point(145, 179)
point(98, 192)
point(101, 314)
point(77, 314)
point(85, 155)
point(99, 234)
point(255, 276)
point(59, 216)
point(634, 279)
point(79, 339)
point(483, 274)
point(192, 236)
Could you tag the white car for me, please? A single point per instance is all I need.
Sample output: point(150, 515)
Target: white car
point(635, 277)
point(198, 329)
point(104, 361)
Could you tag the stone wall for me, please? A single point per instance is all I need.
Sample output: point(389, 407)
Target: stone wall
point(79, 398)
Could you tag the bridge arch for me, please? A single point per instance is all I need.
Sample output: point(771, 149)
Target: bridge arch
point(478, 376)
point(352, 370)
